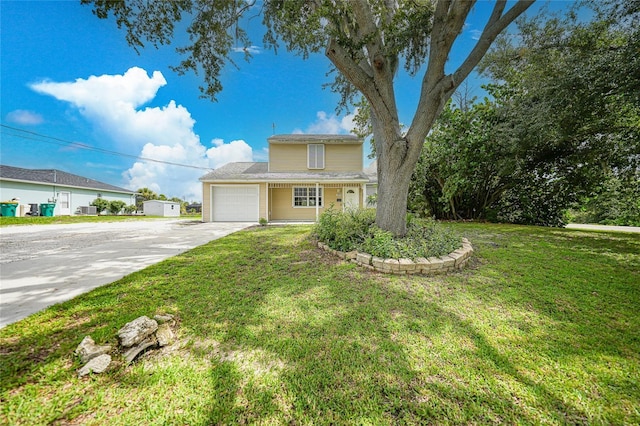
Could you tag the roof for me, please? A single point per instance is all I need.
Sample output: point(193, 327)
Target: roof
point(55, 177)
point(325, 139)
point(372, 171)
point(160, 202)
point(259, 172)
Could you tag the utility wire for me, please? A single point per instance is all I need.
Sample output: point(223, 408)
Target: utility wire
point(38, 137)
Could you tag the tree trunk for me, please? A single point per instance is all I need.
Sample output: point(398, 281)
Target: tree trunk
point(396, 163)
point(391, 210)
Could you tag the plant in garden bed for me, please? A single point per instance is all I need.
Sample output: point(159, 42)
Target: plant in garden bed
point(356, 230)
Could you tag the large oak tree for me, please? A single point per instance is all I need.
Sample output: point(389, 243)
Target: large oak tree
point(365, 40)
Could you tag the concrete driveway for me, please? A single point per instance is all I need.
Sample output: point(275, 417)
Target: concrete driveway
point(46, 264)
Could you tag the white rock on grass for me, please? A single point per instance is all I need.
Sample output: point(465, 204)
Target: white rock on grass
point(96, 365)
point(137, 331)
point(164, 334)
point(87, 349)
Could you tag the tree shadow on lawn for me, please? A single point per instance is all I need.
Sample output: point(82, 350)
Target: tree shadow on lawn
point(362, 349)
point(582, 289)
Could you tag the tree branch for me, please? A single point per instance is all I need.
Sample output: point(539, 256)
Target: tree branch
point(438, 87)
point(497, 22)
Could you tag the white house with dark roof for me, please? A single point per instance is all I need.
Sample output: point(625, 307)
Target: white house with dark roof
point(69, 192)
point(305, 175)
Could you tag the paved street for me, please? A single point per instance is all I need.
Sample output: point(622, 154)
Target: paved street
point(634, 229)
point(46, 264)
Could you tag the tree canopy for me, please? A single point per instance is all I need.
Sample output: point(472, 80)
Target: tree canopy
point(562, 126)
point(365, 40)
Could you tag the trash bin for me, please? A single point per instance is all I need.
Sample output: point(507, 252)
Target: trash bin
point(8, 209)
point(33, 210)
point(47, 209)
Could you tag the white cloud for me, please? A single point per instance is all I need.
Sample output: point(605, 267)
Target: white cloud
point(329, 124)
point(24, 117)
point(112, 102)
point(475, 34)
point(234, 151)
point(252, 50)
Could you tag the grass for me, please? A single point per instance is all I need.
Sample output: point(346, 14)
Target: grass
point(544, 328)
point(50, 220)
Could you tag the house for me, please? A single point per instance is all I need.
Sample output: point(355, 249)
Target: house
point(305, 175)
point(372, 186)
point(161, 208)
point(194, 208)
point(71, 193)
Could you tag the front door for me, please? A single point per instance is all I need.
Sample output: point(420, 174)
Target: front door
point(64, 203)
point(351, 199)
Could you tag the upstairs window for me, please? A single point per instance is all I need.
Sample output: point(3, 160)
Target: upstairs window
point(315, 156)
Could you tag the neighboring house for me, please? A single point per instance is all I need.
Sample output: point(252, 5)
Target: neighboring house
point(161, 208)
point(372, 186)
point(71, 193)
point(305, 175)
point(194, 208)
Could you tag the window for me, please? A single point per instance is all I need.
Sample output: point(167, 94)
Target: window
point(306, 197)
point(315, 157)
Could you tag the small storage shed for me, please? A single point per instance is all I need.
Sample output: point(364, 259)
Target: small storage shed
point(161, 208)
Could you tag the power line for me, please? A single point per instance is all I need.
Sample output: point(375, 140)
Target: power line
point(38, 137)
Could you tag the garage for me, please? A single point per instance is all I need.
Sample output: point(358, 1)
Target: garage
point(235, 203)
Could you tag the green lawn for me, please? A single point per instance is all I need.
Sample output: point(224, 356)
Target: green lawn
point(543, 328)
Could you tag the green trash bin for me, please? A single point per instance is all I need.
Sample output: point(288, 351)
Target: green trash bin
point(8, 209)
point(47, 209)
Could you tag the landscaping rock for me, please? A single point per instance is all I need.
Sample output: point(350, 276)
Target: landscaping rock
point(88, 350)
point(161, 319)
point(136, 350)
point(135, 337)
point(96, 365)
point(137, 331)
point(363, 258)
point(164, 335)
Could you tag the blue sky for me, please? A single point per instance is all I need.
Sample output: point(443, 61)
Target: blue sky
point(70, 76)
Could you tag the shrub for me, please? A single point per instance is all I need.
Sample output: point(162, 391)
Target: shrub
point(101, 204)
point(380, 243)
point(344, 230)
point(116, 206)
point(130, 209)
point(356, 230)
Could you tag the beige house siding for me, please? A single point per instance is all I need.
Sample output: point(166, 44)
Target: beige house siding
point(277, 203)
point(206, 202)
point(293, 158)
point(281, 204)
point(343, 158)
point(263, 201)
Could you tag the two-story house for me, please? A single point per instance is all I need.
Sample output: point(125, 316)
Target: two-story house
point(305, 175)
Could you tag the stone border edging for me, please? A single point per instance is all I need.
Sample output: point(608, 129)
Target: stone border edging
point(430, 266)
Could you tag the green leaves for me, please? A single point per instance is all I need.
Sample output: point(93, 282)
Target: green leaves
point(565, 116)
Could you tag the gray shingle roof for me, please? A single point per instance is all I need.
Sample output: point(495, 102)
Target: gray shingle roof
point(372, 171)
point(306, 138)
point(259, 172)
point(57, 177)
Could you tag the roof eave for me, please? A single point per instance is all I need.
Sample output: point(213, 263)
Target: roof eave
point(35, 182)
point(333, 180)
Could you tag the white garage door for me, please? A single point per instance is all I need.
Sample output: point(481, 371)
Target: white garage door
point(238, 203)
